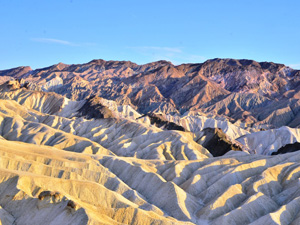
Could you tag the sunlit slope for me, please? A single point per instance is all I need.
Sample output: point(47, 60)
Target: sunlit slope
point(84, 188)
point(45, 185)
point(105, 136)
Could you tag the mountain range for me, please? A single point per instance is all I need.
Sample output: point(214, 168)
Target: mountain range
point(114, 142)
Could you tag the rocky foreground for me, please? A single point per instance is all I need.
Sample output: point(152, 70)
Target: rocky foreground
point(120, 143)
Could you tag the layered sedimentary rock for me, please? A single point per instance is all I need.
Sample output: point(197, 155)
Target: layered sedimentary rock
point(111, 142)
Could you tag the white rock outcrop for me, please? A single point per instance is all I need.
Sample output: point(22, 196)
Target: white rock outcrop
point(269, 141)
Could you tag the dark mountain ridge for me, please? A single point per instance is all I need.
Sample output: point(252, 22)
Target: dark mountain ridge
point(239, 90)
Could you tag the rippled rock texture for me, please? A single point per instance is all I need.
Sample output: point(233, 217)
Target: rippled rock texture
point(111, 142)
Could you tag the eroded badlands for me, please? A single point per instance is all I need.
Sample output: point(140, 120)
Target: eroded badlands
point(109, 143)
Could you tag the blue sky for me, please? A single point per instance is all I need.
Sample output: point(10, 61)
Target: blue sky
point(40, 33)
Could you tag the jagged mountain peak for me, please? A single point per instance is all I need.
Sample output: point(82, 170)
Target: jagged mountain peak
point(16, 72)
point(161, 62)
point(228, 65)
point(163, 87)
point(111, 63)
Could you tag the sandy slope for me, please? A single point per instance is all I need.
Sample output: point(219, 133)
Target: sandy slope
point(106, 136)
point(100, 197)
point(233, 189)
point(49, 185)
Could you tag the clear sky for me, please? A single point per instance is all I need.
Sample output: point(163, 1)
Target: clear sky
point(40, 33)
